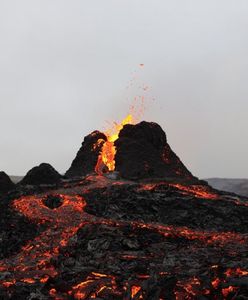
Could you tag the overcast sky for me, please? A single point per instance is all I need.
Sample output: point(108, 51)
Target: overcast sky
point(65, 67)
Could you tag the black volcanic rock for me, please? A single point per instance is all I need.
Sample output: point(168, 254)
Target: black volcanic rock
point(86, 158)
point(5, 183)
point(42, 174)
point(115, 240)
point(53, 201)
point(143, 152)
point(15, 229)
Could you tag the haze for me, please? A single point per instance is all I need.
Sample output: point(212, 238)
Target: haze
point(66, 66)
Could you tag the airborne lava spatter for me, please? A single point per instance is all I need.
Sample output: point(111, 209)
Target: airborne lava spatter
point(107, 154)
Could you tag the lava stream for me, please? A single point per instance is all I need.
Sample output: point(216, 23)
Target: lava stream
point(33, 262)
point(35, 256)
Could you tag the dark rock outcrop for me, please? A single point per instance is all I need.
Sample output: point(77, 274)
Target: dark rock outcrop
point(53, 201)
point(5, 183)
point(86, 158)
point(143, 152)
point(42, 174)
point(15, 229)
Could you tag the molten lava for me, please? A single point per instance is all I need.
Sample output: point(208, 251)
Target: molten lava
point(106, 158)
point(33, 264)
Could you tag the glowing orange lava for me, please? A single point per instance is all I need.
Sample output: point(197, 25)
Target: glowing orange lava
point(135, 290)
point(33, 265)
point(200, 191)
point(107, 156)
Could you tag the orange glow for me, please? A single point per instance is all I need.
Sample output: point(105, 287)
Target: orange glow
point(52, 292)
point(8, 283)
point(106, 158)
point(189, 286)
point(44, 279)
point(28, 280)
point(215, 283)
point(101, 289)
point(134, 291)
point(200, 191)
point(108, 152)
point(38, 252)
point(99, 275)
point(79, 295)
point(227, 291)
point(236, 272)
point(83, 284)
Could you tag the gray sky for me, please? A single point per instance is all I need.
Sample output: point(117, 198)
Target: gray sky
point(65, 66)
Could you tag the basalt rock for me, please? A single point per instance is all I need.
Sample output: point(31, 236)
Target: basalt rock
point(5, 183)
point(86, 158)
point(53, 201)
point(15, 229)
point(143, 152)
point(42, 174)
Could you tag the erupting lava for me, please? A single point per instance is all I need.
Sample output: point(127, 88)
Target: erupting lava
point(106, 158)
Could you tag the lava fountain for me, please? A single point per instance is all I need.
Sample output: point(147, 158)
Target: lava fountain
point(106, 158)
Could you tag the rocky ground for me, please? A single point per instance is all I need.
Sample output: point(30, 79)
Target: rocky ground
point(101, 238)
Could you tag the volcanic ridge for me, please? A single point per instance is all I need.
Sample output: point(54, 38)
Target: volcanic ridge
point(127, 221)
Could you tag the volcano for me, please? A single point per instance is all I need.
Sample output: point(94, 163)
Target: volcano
point(128, 221)
point(140, 151)
point(42, 174)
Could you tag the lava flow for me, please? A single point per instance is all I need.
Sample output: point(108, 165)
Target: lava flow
point(35, 256)
point(34, 264)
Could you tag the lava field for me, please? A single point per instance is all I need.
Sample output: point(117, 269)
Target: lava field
point(145, 229)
